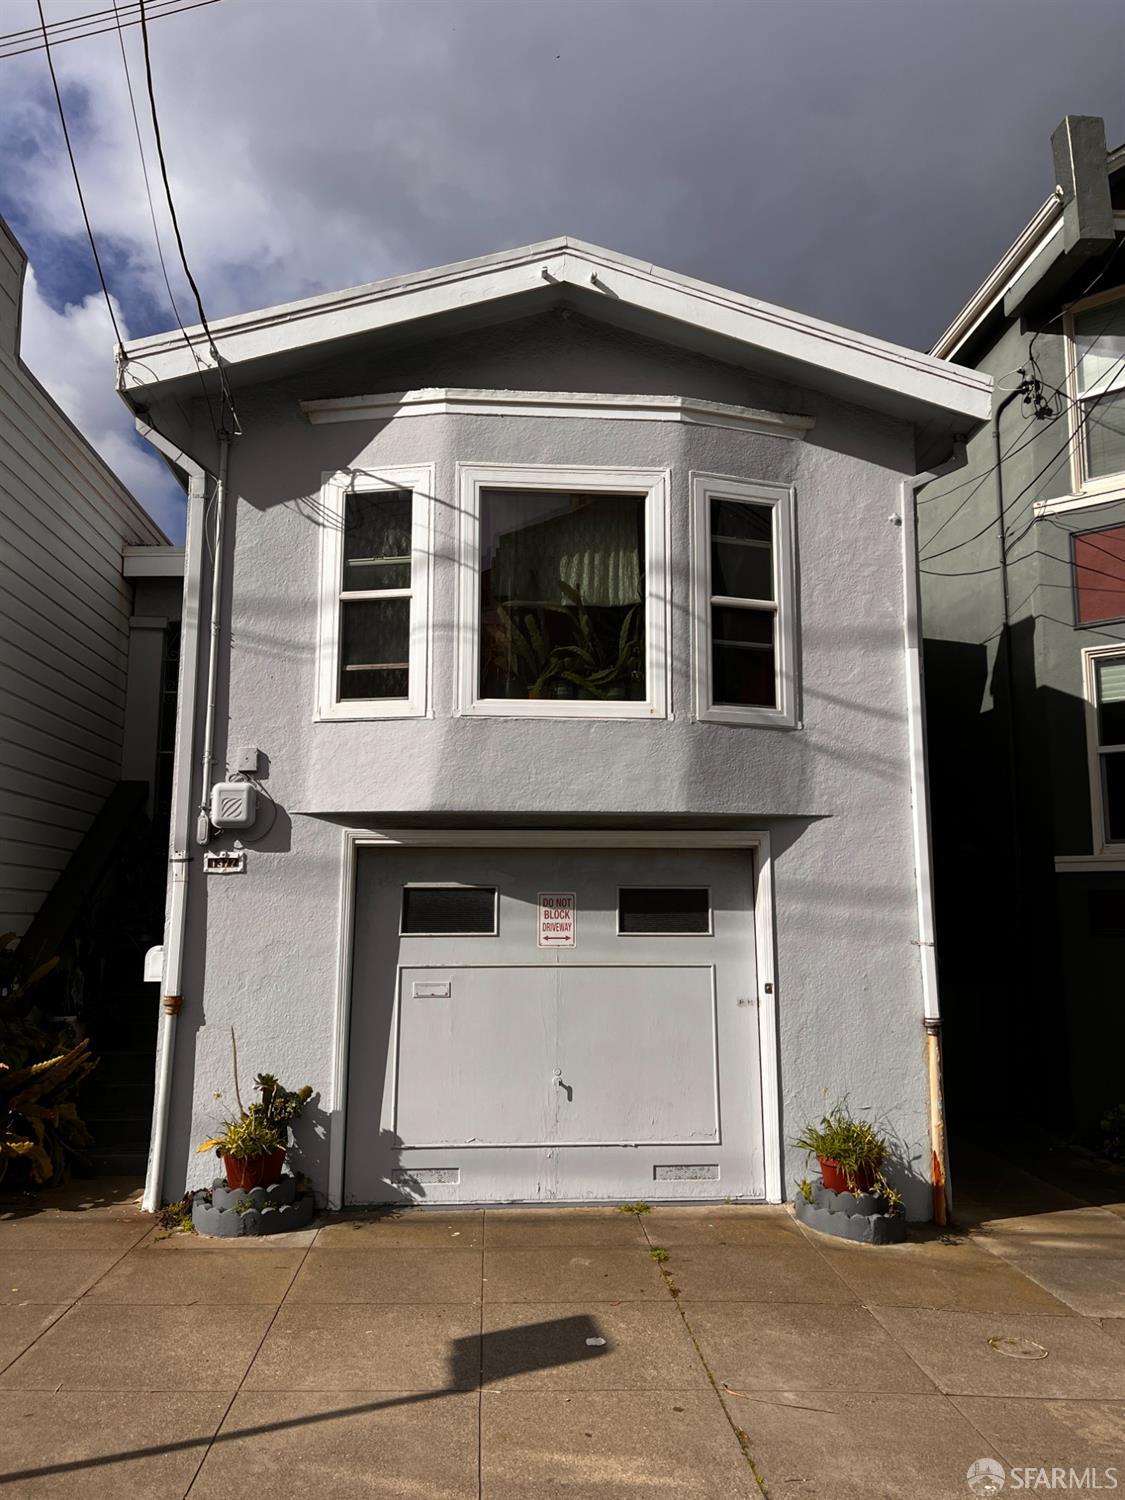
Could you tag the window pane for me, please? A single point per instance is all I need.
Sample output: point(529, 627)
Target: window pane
point(1104, 431)
point(742, 657)
point(448, 908)
point(1099, 574)
point(1113, 796)
point(374, 648)
point(741, 550)
point(1099, 340)
point(663, 909)
point(377, 540)
point(1110, 687)
point(562, 595)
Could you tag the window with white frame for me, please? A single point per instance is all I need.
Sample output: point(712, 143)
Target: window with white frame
point(1096, 368)
point(375, 570)
point(743, 580)
point(1105, 694)
point(563, 596)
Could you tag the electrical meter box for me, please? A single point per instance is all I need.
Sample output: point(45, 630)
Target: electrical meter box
point(234, 804)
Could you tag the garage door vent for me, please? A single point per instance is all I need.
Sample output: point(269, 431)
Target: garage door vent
point(708, 1172)
point(403, 1176)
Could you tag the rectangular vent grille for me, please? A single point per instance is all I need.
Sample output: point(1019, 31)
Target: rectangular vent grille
point(706, 1172)
point(404, 1176)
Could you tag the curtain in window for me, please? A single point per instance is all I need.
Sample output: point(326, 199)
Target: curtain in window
point(594, 549)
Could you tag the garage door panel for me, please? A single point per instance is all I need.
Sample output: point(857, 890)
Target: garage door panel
point(636, 1054)
point(483, 1068)
point(475, 1066)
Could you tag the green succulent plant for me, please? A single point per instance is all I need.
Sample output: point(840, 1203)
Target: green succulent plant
point(264, 1127)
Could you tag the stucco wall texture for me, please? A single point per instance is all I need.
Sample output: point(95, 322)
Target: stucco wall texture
point(264, 947)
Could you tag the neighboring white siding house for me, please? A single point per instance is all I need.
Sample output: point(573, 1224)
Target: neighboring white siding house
point(65, 605)
point(565, 630)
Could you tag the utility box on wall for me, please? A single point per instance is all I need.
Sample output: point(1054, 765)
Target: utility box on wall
point(234, 804)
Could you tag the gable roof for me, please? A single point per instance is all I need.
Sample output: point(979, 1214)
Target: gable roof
point(615, 288)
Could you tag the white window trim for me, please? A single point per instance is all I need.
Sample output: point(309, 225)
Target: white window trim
point(336, 486)
point(1103, 849)
point(1086, 487)
point(654, 483)
point(783, 499)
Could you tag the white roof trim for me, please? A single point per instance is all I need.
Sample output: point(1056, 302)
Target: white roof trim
point(403, 299)
point(1011, 265)
point(153, 562)
point(1035, 238)
point(440, 401)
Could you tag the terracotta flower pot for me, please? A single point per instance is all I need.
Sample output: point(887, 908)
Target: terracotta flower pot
point(254, 1171)
point(835, 1179)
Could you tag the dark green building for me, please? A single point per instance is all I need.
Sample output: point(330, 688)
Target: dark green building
point(1022, 556)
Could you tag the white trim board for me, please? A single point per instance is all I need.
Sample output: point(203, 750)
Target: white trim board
point(455, 401)
point(543, 268)
point(1089, 864)
point(757, 843)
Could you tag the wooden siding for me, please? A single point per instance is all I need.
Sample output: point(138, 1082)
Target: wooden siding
point(64, 623)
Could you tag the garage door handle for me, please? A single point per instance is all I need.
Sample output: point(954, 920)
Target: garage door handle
point(566, 1086)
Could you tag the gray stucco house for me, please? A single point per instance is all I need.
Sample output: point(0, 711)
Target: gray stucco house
point(550, 789)
point(1023, 586)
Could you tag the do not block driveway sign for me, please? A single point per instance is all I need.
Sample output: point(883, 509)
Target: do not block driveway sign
point(556, 919)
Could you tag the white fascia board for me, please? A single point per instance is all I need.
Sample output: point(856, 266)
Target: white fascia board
point(438, 401)
point(1007, 270)
point(153, 562)
point(730, 315)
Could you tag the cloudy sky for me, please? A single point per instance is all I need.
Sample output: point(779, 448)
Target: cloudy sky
point(863, 160)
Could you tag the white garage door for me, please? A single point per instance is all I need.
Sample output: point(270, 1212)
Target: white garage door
point(553, 1026)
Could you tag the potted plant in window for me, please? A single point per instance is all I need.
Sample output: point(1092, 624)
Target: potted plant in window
point(253, 1142)
point(595, 669)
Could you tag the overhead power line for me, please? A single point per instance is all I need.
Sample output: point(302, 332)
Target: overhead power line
point(77, 181)
point(224, 388)
point(155, 228)
point(95, 23)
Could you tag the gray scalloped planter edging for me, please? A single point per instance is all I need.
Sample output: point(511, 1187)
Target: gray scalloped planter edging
point(850, 1216)
point(228, 1213)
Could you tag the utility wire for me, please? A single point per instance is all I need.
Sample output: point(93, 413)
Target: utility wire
point(155, 229)
point(77, 182)
point(1086, 415)
point(69, 22)
point(224, 388)
point(7, 49)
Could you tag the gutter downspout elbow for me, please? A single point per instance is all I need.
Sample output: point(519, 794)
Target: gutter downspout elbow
point(923, 847)
point(175, 923)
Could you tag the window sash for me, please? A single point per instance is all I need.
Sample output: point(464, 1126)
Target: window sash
point(336, 597)
point(1095, 335)
point(653, 484)
point(1104, 679)
point(779, 499)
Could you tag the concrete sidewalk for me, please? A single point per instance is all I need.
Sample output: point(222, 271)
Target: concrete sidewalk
point(447, 1353)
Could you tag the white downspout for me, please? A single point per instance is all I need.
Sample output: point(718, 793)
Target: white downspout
point(923, 847)
point(203, 821)
point(180, 830)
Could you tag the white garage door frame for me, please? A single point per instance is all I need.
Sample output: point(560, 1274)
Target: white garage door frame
point(757, 846)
